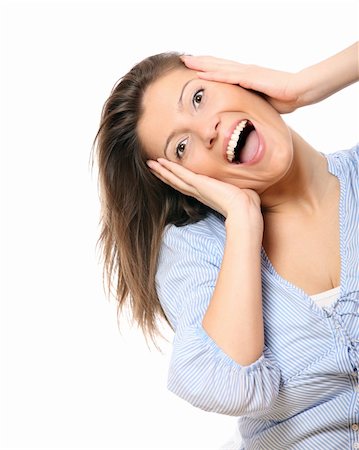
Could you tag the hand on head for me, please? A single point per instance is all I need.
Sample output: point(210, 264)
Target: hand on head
point(279, 88)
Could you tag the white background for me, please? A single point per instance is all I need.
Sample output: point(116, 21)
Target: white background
point(69, 379)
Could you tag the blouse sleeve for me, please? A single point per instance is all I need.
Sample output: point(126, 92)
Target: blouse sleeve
point(200, 372)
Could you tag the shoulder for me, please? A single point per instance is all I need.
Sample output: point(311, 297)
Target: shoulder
point(345, 162)
point(188, 266)
point(202, 235)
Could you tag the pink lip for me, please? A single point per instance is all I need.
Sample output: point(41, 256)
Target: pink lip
point(260, 150)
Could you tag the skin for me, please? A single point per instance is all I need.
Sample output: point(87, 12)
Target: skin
point(290, 188)
point(291, 176)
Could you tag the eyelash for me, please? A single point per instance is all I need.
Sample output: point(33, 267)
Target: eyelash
point(184, 142)
point(195, 95)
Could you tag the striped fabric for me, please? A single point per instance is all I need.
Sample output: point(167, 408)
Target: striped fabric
point(303, 391)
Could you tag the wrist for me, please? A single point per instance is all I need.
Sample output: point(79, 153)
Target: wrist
point(244, 231)
point(310, 86)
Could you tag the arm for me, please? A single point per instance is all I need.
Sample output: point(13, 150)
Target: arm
point(285, 91)
point(321, 80)
point(219, 362)
point(200, 372)
point(234, 317)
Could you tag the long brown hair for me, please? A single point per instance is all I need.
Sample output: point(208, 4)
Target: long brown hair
point(135, 205)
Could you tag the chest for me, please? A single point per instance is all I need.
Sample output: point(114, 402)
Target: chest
point(306, 251)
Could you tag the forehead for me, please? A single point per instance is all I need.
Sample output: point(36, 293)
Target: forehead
point(168, 85)
point(160, 109)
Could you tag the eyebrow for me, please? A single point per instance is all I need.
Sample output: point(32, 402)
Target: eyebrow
point(180, 106)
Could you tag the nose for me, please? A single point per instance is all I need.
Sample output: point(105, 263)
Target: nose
point(207, 130)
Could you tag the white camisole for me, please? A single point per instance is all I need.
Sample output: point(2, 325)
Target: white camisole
point(327, 297)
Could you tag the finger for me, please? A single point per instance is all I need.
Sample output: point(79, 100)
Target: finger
point(229, 78)
point(204, 62)
point(222, 77)
point(242, 77)
point(171, 181)
point(203, 188)
point(158, 175)
point(170, 178)
point(181, 172)
point(260, 79)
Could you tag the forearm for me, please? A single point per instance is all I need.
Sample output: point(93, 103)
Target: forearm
point(234, 317)
point(321, 80)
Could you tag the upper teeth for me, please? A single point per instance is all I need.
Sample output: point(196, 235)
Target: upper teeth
point(234, 139)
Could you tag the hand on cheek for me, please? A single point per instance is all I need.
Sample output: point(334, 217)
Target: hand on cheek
point(218, 195)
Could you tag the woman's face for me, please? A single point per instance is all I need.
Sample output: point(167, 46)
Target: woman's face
point(191, 121)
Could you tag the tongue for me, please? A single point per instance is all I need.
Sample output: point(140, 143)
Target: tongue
point(250, 147)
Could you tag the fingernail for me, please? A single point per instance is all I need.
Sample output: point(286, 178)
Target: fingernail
point(150, 164)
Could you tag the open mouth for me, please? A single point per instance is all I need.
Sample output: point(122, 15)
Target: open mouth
point(243, 144)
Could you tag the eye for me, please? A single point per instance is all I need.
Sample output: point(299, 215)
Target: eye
point(197, 98)
point(180, 149)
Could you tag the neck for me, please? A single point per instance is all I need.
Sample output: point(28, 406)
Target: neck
point(305, 186)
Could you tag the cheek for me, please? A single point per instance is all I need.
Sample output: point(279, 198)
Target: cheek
point(202, 163)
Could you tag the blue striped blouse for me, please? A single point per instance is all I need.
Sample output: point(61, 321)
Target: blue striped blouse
point(303, 391)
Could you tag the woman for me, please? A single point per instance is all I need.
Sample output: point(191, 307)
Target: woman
point(232, 235)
